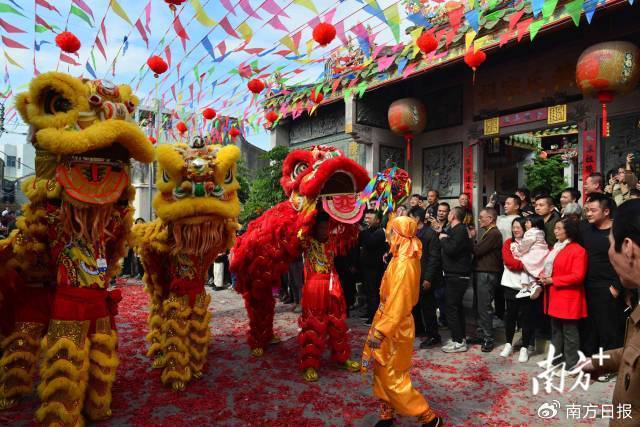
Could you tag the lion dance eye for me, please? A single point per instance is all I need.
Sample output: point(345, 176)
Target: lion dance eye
point(300, 168)
point(165, 176)
point(228, 178)
point(56, 103)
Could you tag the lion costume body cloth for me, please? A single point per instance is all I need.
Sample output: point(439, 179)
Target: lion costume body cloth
point(197, 208)
point(319, 178)
point(56, 267)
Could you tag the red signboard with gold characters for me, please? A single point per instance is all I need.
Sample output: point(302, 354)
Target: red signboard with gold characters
point(589, 153)
point(467, 179)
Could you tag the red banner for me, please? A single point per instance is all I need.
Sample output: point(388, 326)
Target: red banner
point(589, 154)
point(523, 117)
point(467, 172)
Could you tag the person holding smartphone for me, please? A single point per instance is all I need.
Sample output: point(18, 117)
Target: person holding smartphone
point(622, 181)
point(526, 207)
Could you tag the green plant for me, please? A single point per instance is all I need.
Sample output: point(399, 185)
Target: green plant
point(243, 180)
point(546, 174)
point(265, 190)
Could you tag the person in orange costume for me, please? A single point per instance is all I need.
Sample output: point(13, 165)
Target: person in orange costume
point(389, 345)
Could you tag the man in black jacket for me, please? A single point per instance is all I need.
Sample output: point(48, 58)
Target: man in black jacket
point(373, 245)
point(545, 207)
point(488, 268)
point(456, 264)
point(430, 279)
point(604, 327)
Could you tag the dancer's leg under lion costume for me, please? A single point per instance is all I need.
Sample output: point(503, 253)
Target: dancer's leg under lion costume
point(59, 262)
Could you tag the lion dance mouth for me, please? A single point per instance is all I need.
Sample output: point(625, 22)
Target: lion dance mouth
point(200, 238)
point(86, 223)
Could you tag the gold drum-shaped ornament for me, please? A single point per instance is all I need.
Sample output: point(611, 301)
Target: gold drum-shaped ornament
point(407, 117)
point(605, 70)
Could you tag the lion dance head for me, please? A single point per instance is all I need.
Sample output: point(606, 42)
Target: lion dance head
point(198, 195)
point(84, 137)
point(322, 177)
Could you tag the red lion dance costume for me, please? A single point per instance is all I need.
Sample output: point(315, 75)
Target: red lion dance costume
point(56, 267)
point(320, 178)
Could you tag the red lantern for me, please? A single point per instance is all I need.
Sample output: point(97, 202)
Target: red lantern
point(427, 43)
point(157, 65)
point(68, 42)
point(324, 33)
point(608, 69)
point(152, 139)
point(174, 3)
point(316, 97)
point(271, 116)
point(407, 117)
point(474, 60)
point(182, 128)
point(208, 113)
point(233, 132)
point(255, 85)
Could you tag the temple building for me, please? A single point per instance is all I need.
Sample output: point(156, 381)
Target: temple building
point(481, 130)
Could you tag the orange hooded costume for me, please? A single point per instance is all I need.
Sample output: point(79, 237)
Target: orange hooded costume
point(394, 329)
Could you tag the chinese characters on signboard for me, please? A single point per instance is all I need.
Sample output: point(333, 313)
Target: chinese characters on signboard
point(467, 180)
point(492, 126)
point(557, 114)
point(589, 153)
point(523, 117)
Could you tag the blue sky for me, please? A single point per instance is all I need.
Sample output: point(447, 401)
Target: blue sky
point(194, 60)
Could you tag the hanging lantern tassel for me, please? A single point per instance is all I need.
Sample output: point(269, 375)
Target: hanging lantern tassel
point(605, 97)
point(408, 139)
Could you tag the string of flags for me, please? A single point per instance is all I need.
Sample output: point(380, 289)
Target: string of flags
point(213, 48)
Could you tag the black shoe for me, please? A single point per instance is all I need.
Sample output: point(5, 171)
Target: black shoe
point(385, 423)
point(221, 288)
point(487, 346)
point(430, 342)
point(474, 340)
point(436, 422)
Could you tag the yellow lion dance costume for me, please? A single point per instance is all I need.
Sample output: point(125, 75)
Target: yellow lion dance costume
point(56, 267)
point(197, 207)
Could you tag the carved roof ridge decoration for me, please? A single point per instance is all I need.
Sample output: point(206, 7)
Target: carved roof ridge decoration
point(493, 22)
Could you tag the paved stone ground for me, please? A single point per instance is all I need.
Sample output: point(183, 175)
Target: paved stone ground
point(468, 389)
